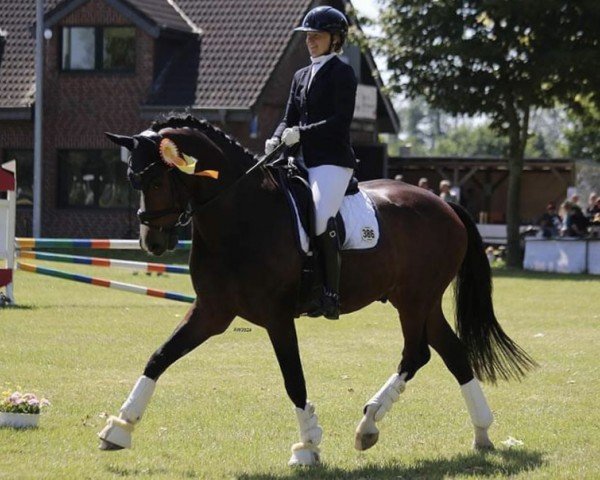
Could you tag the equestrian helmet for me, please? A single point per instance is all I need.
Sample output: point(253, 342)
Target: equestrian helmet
point(325, 19)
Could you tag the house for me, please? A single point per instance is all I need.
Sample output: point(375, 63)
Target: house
point(115, 65)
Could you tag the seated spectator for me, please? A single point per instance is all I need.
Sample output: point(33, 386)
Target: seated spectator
point(424, 183)
point(574, 199)
point(593, 206)
point(445, 193)
point(550, 222)
point(575, 222)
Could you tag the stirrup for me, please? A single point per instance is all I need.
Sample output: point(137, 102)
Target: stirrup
point(328, 306)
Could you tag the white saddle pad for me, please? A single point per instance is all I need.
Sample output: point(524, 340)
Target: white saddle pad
point(360, 222)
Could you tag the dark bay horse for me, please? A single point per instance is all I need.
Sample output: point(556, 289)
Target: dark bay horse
point(244, 263)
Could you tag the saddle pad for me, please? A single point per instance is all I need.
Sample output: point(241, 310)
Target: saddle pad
point(360, 223)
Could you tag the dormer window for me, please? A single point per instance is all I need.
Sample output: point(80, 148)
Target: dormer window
point(103, 49)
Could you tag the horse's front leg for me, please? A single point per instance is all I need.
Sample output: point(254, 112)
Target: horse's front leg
point(199, 324)
point(285, 342)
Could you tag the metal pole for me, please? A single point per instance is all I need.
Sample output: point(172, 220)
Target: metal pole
point(37, 153)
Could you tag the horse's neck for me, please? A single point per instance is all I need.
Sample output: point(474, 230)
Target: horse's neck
point(244, 209)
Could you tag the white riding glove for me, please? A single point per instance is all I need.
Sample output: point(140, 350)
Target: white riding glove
point(291, 136)
point(271, 144)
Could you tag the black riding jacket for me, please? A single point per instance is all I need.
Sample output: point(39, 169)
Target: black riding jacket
point(323, 114)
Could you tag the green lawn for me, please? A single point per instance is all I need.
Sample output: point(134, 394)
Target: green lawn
point(222, 412)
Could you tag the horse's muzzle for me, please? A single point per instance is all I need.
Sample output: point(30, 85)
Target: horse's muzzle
point(157, 242)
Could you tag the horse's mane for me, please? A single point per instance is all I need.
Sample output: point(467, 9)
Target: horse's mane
point(213, 133)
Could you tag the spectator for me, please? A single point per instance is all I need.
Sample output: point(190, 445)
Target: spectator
point(574, 199)
point(424, 183)
point(445, 193)
point(550, 222)
point(575, 222)
point(593, 206)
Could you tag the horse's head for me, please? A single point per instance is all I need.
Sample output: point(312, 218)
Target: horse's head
point(161, 166)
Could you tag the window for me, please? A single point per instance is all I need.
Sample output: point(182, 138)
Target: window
point(24, 160)
point(93, 179)
point(107, 49)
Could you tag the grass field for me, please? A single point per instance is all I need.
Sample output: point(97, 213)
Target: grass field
point(222, 412)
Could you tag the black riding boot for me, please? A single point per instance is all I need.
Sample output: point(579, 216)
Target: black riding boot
point(329, 248)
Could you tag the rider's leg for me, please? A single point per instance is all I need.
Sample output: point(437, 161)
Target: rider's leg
point(328, 184)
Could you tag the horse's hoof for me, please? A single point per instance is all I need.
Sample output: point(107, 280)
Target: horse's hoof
point(481, 441)
point(483, 446)
point(104, 445)
point(365, 441)
point(304, 458)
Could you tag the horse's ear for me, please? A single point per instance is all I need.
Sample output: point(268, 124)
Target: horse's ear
point(121, 140)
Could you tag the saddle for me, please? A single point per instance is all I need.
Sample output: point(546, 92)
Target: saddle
point(292, 178)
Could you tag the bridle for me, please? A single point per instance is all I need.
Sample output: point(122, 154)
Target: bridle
point(145, 216)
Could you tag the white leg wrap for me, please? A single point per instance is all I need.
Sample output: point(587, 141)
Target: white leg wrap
point(306, 452)
point(480, 412)
point(388, 394)
point(310, 431)
point(133, 408)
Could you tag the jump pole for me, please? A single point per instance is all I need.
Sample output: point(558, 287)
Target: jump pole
point(101, 282)
point(105, 262)
point(92, 243)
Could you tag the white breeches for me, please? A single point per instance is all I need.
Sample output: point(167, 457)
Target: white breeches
point(328, 184)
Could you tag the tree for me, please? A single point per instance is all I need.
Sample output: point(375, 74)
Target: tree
point(469, 141)
point(584, 137)
point(500, 58)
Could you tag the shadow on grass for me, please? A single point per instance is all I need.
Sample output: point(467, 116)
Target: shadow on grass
point(499, 462)
point(19, 307)
point(120, 471)
point(527, 275)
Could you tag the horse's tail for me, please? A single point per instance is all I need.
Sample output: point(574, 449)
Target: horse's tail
point(492, 354)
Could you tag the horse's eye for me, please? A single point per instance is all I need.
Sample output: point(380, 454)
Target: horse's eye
point(155, 184)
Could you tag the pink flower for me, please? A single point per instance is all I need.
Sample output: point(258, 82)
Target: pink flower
point(45, 402)
point(33, 402)
point(16, 398)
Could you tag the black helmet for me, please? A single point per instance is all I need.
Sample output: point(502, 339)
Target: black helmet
point(325, 19)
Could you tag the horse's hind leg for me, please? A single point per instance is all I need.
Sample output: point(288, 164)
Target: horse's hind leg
point(414, 355)
point(443, 339)
point(196, 327)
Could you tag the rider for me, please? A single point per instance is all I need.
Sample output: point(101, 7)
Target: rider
point(318, 116)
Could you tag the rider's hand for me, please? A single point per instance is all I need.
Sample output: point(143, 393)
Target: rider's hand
point(271, 144)
point(291, 136)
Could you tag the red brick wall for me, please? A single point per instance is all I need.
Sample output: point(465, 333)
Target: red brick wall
point(78, 108)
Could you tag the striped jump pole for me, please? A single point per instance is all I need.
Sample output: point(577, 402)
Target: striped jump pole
point(105, 262)
point(100, 282)
point(97, 244)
